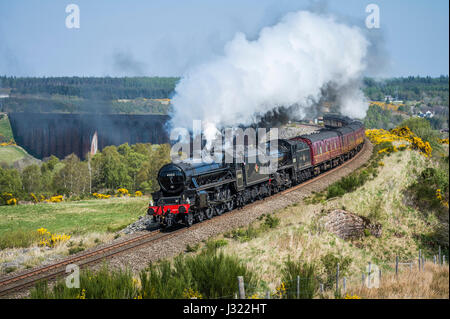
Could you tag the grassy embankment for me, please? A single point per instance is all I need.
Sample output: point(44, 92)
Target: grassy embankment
point(88, 222)
point(301, 235)
point(10, 153)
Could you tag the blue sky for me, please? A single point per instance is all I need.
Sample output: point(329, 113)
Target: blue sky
point(165, 37)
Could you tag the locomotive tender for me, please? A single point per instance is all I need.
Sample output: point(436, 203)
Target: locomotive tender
point(191, 192)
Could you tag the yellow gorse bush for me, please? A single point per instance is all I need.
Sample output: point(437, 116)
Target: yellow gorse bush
point(9, 198)
point(82, 294)
point(440, 198)
point(403, 133)
point(53, 199)
point(51, 240)
point(444, 141)
point(42, 231)
point(138, 194)
point(35, 199)
point(280, 291)
point(11, 142)
point(386, 106)
point(352, 297)
point(101, 196)
point(12, 201)
point(122, 192)
point(191, 294)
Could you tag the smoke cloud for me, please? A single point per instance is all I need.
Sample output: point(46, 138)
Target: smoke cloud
point(124, 63)
point(286, 71)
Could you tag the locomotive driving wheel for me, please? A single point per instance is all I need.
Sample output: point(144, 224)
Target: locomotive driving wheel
point(189, 219)
point(229, 205)
point(219, 209)
point(209, 213)
point(200, 216)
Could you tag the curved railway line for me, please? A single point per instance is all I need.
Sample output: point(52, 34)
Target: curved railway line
point(29, 278)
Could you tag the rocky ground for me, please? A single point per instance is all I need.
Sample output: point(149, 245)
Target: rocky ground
point(142, 224)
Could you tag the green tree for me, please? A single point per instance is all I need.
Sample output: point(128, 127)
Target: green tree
point(422, 128)
point(73, 178)
point(10, 181)
point(31, 179)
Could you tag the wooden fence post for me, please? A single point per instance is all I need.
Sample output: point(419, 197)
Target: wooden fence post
point(440, 263)
point(345, 285)
point(298, 287)
point(321, 288)
point(337, 279)
point(379, 275)
point(363, 277)
point(420, 258)
point(267, 294)
point(443, 259)
point(241, 287)
point(396, 265)
point(434, 259)
point(423, 263)
point(410, 266)
point(368, 275)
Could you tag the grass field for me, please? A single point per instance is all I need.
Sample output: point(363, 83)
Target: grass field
point(5, 128)
point(11, 153)
point(88, 222)
point(78, 217)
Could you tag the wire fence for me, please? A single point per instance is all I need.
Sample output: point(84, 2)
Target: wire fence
point(304, 287)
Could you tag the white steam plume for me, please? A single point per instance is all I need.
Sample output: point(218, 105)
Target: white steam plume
point(288, 64)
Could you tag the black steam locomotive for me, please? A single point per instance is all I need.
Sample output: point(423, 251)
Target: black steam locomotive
point(191, 192)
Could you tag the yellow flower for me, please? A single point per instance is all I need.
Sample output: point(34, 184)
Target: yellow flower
point(11, 201)
point(83, 294)
point(352, 297)
point(280, 291)
point(191, 294)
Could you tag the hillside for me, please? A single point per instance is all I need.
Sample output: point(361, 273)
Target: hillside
point(5, 129)
point(301, 235)
point(13, 155)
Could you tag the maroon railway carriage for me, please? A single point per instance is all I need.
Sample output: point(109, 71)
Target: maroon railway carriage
point(324, 145)
point(330, 147)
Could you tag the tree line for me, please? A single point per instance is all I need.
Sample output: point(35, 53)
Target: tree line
point(408, 88)
point(377, 117)
point(132, 167)
point(94, 88)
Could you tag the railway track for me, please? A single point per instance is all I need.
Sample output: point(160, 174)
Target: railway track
point(30, 278)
